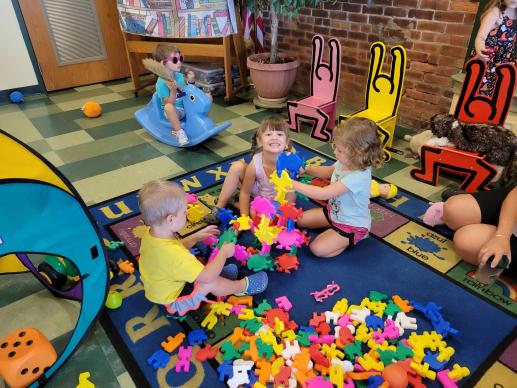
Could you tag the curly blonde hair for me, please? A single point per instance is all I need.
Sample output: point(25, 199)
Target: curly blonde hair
point(273, 123)
point(362, 144)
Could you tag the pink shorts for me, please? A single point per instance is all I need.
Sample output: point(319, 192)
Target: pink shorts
point(353, 233)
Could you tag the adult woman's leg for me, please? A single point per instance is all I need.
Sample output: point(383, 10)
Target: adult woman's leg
point(469, 239)
point(461, 210)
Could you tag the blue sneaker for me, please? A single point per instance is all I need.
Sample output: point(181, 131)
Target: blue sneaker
point(255, 284)
point(230, 271)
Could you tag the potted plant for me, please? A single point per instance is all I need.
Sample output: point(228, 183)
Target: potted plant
point(272, 73)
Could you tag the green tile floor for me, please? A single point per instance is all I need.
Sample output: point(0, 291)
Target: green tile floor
point(109, 156)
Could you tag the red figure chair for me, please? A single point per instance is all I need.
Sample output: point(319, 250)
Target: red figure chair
point(473, 108)
point(320, 107)
point(477, 171)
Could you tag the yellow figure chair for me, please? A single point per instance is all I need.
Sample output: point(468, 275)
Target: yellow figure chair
point(383, 92)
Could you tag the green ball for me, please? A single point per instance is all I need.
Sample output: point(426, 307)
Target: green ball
point(114, 300)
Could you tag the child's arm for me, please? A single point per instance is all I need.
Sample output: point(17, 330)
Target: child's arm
point(247, 185)
point(173, 90)
point(320, 171)
point(213, 269)
point(487, 24)
point(203, 234)
point(321, 193)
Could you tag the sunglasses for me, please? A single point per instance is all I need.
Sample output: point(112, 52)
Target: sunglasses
point(175, 58)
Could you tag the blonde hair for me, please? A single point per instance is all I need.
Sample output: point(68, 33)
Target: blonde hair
point(273, 123)
point(362, 144)
point(158, 198)
point(163, 50)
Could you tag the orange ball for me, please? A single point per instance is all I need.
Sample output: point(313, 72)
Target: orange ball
point(395, 375)
point(92, 109)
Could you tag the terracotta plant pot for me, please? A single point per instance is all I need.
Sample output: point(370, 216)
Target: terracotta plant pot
point(272, 81)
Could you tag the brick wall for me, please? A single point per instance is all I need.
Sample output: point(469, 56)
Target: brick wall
point(435, 34)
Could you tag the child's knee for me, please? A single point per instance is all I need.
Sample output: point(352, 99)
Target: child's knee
point(320, 249)
point(237, 168)
point(169, 108)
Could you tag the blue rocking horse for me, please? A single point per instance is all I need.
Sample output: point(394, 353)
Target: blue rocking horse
point(196, 124)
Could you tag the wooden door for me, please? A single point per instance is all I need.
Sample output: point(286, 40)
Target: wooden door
point(73, 49)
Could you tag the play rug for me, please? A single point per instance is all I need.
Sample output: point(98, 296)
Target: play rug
point(402, 257)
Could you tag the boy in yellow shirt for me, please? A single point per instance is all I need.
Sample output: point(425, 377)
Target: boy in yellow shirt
point(171, 275)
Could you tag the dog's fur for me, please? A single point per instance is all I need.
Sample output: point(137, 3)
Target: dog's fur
point(498, 144)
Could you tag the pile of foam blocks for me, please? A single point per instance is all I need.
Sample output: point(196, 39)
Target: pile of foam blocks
point(273, 224)
point(372, 344)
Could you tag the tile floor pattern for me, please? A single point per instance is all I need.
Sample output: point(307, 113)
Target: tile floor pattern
point(109, 156)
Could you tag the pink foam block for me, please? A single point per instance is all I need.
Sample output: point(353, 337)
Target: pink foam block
point(391, 330)
point(191, 198)
point(237, 309)
point(447, 382)
point(318, 382)
point(183, 363)
point(287, 239)
point(263, 206)
point(210, 240)
point(241, 254)
point(324, 339)
point(344, 320)
point(284, 303)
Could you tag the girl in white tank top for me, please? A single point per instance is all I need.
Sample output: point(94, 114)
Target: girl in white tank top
point(269, 141)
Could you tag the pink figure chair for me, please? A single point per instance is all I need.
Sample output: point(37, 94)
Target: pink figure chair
point(320, 107)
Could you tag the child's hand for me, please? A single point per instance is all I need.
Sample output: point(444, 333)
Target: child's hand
point(483, 55)
point(227, 250)
point(171, 85)
point(209, 231)
point(190, 76)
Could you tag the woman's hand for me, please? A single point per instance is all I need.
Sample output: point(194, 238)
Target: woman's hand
point(497, 246)
point(209, 231)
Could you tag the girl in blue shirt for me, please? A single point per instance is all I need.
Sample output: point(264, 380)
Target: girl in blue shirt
point(170, 93)
point(357, 147)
